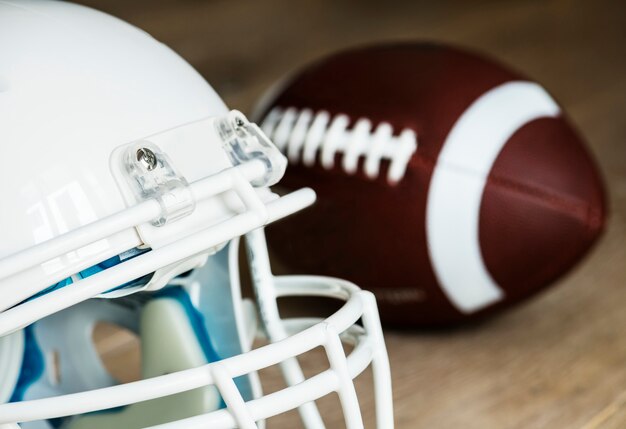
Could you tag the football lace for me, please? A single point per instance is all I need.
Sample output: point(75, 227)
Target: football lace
point(301, 134)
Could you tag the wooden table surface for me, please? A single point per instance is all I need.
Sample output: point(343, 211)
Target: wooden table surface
point(558, 361)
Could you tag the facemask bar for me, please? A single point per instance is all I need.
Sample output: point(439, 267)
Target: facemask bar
point(369, 348)
point(268, 288)
point(263, 284)
point(18, 313)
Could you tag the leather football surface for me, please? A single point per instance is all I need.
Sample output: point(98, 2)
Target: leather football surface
point(447, 184)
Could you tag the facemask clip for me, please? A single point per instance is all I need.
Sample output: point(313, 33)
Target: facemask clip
point(244, 141)
point(151, 175)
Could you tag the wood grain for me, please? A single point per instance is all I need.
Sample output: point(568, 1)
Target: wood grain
point(558, 361)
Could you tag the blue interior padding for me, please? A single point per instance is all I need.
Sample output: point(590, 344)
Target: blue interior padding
point(32, 365)
point(195, 318)
point(197, 322)
point(33, 362)
point(32, 369)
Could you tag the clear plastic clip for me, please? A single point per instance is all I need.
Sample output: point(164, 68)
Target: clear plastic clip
point(151, 175)
point(244, 141)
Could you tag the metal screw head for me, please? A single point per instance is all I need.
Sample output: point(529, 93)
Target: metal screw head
point(239, 122)
point(147, 158)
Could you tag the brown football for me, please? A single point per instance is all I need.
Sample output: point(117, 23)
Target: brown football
point(448, 184)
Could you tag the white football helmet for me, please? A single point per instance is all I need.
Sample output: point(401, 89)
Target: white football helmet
point(126, 177)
